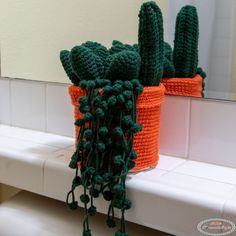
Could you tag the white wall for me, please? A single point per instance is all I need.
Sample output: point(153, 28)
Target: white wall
point(34, 31)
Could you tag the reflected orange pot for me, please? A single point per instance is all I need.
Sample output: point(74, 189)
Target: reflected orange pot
point(190, 87)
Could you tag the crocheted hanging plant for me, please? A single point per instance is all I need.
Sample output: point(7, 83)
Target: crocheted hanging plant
point(105, 142)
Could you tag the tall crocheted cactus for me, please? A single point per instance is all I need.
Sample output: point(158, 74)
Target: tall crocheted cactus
point(151, 43)
point(186, 42)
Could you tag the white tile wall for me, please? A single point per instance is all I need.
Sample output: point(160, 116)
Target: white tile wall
point(36, 105)
point(59, 110)
point(28, 104)
point(213, 132)
point(175, 126)
point(195, 129)
point(5, 112)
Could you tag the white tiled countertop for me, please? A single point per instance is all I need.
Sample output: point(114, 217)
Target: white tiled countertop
point(174, 197)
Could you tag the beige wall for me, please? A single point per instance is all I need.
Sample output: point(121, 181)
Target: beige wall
point(34, 31)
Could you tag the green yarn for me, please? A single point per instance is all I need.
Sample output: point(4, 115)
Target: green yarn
point(118, 131)
point(103, 131)
point(120, 99)
point(124, 65)
point(151, 43)
point(76, 182)
point(94, 193)
point(101, 147)
point(169, 69)
point(86, 64)
point(100, 113)
point(119, 233)
point(98, 49)
point(107, 195)
point(83, 84)
point(65, 61)
point(168, 52)
point(111, 223)
point(73, 205)
point(84, 198)
point(128, 85)
point(201, 72)
point(118, 46)
point(112, 101)
point(129, 105)
point(118, 189)
point(88, 134)
point(127, 121)
point(127, 94)
point(186, 42)
point(136, 128)
point(92, 211)
point(87, 233)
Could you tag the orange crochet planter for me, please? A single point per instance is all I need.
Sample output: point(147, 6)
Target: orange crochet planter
point(191, 87)
point(148, 114)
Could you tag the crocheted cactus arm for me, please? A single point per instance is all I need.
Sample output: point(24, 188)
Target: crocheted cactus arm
point(201, 72)
point(118, 46)
point(169, 69)
point(151, 43)
point(65, 61)
point(186, 42)
point(168, 51)
point(124, 65)
point(98, 49)
point(86, 64)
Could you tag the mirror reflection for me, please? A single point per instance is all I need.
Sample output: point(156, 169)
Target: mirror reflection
point(217, 45)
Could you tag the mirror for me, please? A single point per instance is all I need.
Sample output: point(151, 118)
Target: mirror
point(33, 32)
point(217, 45)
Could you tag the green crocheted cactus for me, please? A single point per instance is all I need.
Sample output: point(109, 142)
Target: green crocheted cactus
point(151, 43)
point(118, 46)
point(65, 61)
point(98, 49)
point(86, 64)
point(168, 51)
point(186, 42)
point(168, 67)
point(124, 65)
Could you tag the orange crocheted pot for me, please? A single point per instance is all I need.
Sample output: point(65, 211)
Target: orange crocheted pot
point(148, 114)
point(190, 87)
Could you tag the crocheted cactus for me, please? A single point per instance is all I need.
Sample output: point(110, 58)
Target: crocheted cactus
point(118, 46)
point(86, 64)
point(98, 49)
point(151, 43)
point(186, 42)
point(124, 65)
point(168, 67)
point(65, 61)
point(168, 52)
